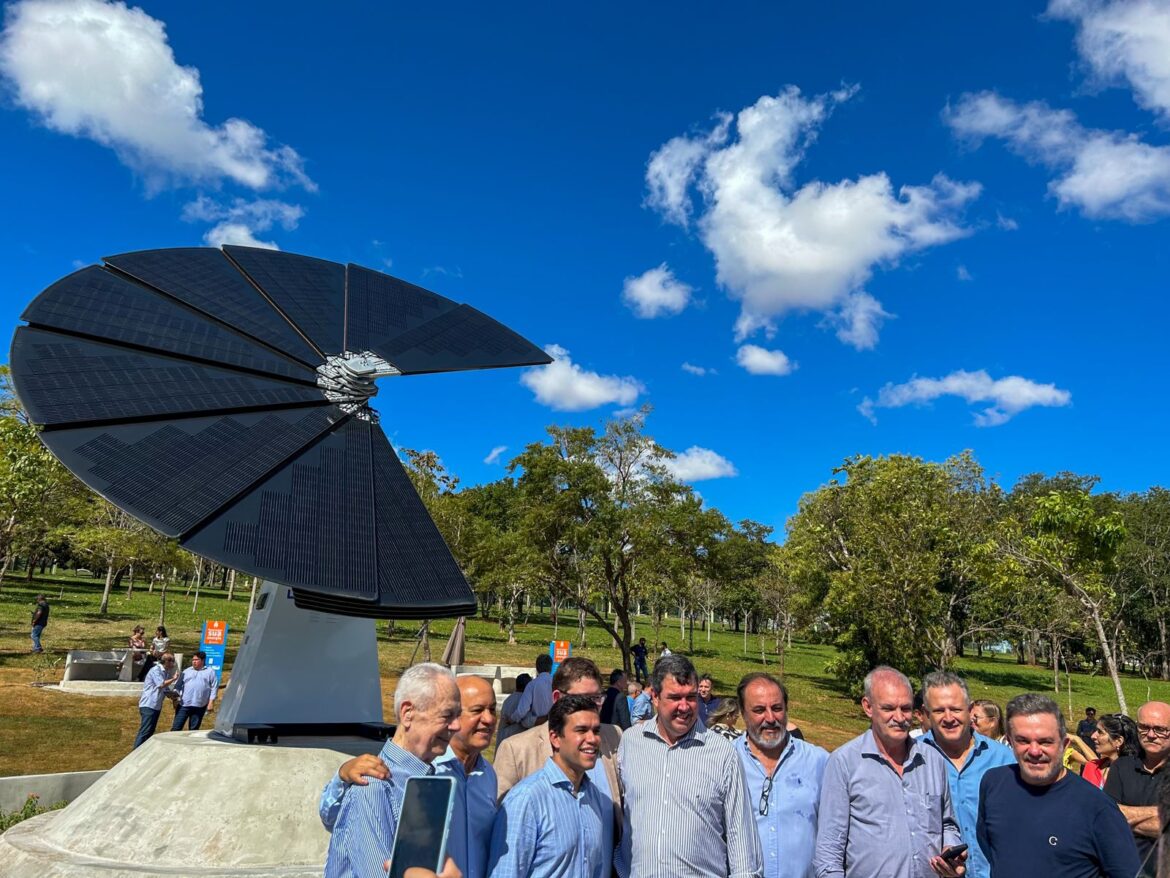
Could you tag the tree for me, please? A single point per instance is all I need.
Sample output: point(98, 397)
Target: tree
point(37, 494)
point(1065, 540)
point(1143, 564)
point(888, 548)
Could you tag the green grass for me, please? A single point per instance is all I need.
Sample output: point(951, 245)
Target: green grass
point(45, 731)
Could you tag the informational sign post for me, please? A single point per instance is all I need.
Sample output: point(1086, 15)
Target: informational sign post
point(214, 643)
point(559, 650)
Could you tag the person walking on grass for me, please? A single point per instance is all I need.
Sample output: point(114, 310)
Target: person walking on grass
point(40, 618)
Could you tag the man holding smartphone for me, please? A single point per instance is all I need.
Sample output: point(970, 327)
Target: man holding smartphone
point(427, 706)
point(557, 822)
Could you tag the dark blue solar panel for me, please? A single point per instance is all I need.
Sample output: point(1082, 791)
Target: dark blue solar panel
point(310, 292)
point(379, 307)
point(67, 380)
point(460, 339)
point(98, 303)
point(175, 474)
point(309, 523)
point(205, 279)
point(414, 564)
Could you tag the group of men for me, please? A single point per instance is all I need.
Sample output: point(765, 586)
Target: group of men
point(193, 692)
point(667, 798)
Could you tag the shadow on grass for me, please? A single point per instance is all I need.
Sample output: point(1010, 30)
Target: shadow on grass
point(1021, 680)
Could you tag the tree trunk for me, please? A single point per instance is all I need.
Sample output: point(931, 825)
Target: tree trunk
point(1110, 660)
point(231, 585)
point(252, 601)
point(104, 607)
point(581, 625)
point(162, 609)
point(1162, 639)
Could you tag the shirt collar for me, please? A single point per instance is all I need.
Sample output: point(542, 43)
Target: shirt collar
point(556, 776)
point(407, 763)
point(452, 757)
point(869, 747)
point(697, 733)
point(742, 743)
point(982, 742)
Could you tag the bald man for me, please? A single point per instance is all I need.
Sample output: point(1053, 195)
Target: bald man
point(1134, 781)
point(475, 779)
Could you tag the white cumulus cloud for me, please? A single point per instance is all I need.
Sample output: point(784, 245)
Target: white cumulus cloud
point(655, 293)
point(105, 71)
point(761, 361)
point(697, 464)
point(1007, 396)
point(563, 385)
point(241, 220)
point(1104, 174)
point(697, 370)
point(494, 454)
point(780, 247)
point(1125, 40)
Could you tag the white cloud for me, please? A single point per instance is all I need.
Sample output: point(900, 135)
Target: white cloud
point(1125, 40)
point(1006, 223)
point(1105, 174)
point(238, 222)
point(697, 464)
point(780, 248)
point(565, 386)
point(1008, 396)
point(656, 293)
point(698, 370)
point(494, 454)
point(963, 274)
point(859, 320)
point(105, 71)
point(760, 361)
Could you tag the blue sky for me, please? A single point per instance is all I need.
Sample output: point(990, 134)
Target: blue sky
point(865, 228)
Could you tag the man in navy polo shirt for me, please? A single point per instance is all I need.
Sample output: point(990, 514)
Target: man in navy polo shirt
point(1037, 819)
point(946, 705)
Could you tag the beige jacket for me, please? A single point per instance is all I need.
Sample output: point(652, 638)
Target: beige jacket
point(520, 755)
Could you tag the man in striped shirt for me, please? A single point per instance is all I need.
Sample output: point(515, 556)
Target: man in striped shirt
point(426, 703)
point(556, 823)
point(685, 806)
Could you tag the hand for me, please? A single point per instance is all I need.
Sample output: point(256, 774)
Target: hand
point(449, 871)
point(356, 770)
point(949, 868)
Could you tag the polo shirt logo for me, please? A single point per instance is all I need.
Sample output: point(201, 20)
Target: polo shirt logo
point(1052, 840)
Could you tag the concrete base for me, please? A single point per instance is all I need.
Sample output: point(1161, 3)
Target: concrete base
point(49, 788)
point(190, 803)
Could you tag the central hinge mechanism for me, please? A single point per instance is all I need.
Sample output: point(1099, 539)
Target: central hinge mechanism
point(348, 380)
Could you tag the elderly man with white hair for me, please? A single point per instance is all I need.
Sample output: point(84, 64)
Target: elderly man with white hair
point(427, 705)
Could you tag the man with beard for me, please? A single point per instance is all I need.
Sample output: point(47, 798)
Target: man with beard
point(783, 776)
point(885, 808)
point(1037, 819)
point(684, 790)
point(426, 703)
point(969, 755)
point(475, 780)
point(556, 822)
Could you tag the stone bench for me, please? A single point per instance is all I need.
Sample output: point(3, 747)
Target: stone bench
point(105, 665)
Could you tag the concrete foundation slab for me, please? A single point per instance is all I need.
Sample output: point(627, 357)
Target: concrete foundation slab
point(190, 803)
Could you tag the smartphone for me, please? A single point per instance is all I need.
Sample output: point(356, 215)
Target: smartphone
point(423, 822)
point(952, 853)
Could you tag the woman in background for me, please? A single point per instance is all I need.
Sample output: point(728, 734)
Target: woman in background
point(725, 719)
point(987, 720)
point(1116, 736)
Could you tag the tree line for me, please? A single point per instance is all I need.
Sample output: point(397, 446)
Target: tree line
point(894, 560)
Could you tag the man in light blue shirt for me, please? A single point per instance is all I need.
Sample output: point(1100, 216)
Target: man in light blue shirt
point(537, 699)
point(474, 810)
point(783, 777)
point(947, 706)
point(426, 703)
point(154, 690)
point(885, 809)
point(196, 687)
point(556, 823)
point(642, 708)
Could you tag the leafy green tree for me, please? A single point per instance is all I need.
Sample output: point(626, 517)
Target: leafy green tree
point(1065, 540)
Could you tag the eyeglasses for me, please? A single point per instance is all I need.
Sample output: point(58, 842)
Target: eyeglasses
point(1153, 731)
point(767, 791)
